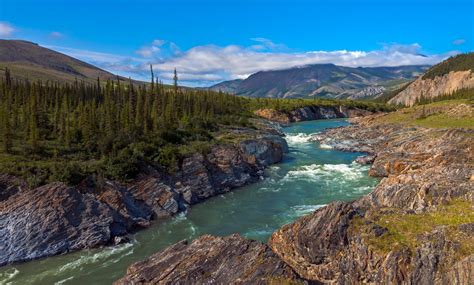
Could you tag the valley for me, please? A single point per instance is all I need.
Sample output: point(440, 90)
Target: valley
point(112, 181)
point(307, 178)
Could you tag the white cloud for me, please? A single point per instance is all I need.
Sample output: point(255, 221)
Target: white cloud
point(56, 35)
point(266, 44)
point(158, 43)
point(209, 64)
point(151, 50)
point(6, 29)
point(459, 42)
point(90, 56)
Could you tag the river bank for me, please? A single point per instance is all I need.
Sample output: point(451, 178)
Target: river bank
point(101, 212)
point(416, 227)
point(56, 218)
point(307, 178)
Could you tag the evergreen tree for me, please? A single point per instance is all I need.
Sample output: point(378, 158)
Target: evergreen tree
point(175, 81)
point(6, 128)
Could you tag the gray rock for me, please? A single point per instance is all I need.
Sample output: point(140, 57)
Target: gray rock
point(212, 260)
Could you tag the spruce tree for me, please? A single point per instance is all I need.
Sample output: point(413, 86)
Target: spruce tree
point(175, 81)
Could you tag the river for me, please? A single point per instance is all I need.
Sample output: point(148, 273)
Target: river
point(309, 177)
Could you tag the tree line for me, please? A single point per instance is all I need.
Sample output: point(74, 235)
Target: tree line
point(101, 122)
point(53, 131)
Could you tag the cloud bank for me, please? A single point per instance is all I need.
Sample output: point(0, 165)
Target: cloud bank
point(6, 30)
point(209, 64)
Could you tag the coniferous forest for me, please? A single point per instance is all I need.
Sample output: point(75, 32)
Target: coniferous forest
point(62, 132)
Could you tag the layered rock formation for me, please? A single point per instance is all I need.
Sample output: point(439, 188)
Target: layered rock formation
point(212, 260)
point(416, 227)
point(431, 88)
point(311, 113)
point(55, 218)
point(425, 171)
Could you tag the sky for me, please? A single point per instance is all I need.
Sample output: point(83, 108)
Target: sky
point(210, 41)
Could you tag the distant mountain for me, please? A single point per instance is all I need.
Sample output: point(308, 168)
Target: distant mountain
point(323, 80)
point(443, 78)
point(227, 86)
point(29, 60)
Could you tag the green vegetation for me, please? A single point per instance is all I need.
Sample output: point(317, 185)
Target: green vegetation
point(404, 230)
point(52, 131)
point(459, 62)
point(463, 93)
point(291, 104)
point(443, 114)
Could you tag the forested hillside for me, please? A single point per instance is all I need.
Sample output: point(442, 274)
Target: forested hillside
point(461, 62)
point(63, 132)
point(452, 78)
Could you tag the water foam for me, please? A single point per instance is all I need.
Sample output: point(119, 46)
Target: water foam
point(8, 275)
point(63, 281)
point(325, 146)
point(302, 210)
point(298, 138)
point(312, 172)
point(98, 256)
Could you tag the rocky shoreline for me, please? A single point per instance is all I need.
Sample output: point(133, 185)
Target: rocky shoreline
point(309, 113)
point(416, 227)
point(56, 218)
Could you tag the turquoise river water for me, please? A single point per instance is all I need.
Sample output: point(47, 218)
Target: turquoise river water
point(310, 176)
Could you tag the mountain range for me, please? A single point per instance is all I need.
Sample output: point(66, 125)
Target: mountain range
point(323, 80)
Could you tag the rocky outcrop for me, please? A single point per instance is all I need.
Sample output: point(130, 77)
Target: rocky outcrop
point(212, 260)
point(309, 113)
point(431, 88)
point(416, 227)
point(423, 170)
point(55, 218)
point(368, 92)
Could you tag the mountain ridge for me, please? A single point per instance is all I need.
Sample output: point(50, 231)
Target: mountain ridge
point(322, 80)
point(28, 60)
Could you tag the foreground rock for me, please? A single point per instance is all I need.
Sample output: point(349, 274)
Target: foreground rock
point(311, 113)
point(212, 260)
point(55, 219)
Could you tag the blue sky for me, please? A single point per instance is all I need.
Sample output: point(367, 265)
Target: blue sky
point(210, 41)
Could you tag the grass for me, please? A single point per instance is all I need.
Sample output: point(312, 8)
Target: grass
point(434, 115)
point(443, 121)
point(404, 230)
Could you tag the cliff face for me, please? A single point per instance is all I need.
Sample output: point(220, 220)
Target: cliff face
point(55, 218)
point(311, 113)
point(431, 88)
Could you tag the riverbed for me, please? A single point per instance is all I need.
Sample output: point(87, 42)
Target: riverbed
point(309, 177)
